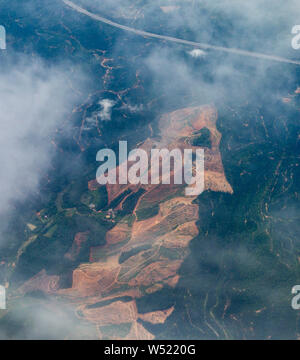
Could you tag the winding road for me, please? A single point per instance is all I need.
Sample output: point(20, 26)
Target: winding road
point(180, 41)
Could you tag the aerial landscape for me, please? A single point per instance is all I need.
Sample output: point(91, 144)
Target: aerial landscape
point(150, 257)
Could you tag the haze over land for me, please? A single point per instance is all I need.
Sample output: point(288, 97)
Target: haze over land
point(83, 261)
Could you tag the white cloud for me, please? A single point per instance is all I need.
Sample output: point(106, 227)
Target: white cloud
point(133, 108)
point(105, 113)
point(34, 100)
point(197, 53)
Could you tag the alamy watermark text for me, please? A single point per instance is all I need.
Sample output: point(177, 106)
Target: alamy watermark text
point(296, 38)
point(2, 38)
point(184, 167)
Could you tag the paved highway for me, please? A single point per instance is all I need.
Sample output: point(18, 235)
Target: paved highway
point(180, 41)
